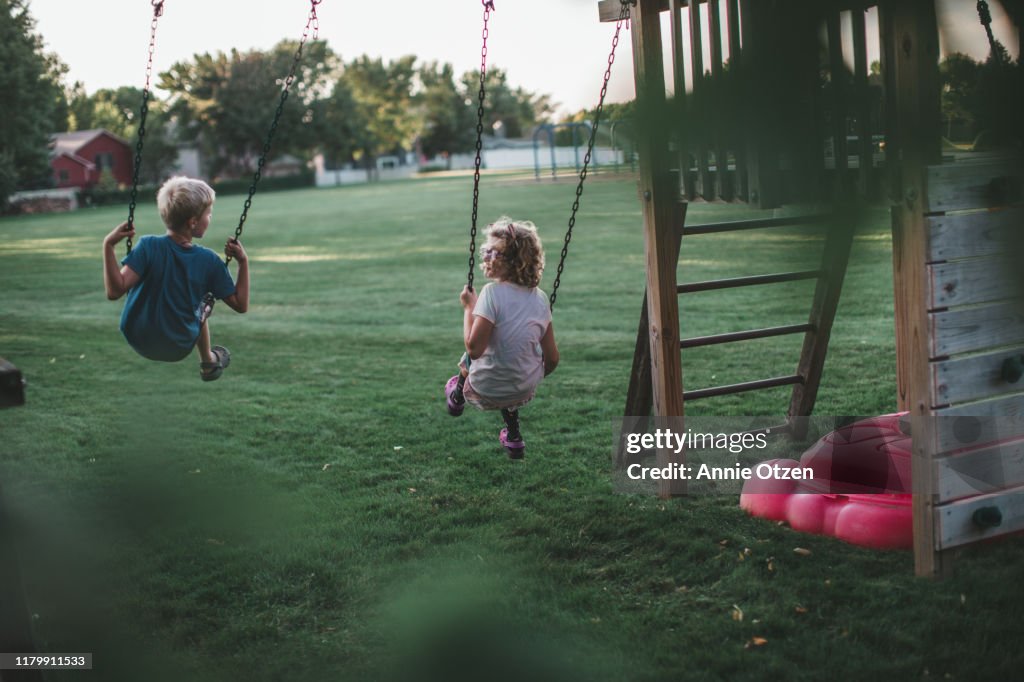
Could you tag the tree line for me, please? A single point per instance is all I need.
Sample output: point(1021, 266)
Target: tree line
point(351, 111)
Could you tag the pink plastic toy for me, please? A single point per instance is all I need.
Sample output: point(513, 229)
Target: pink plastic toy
point(860, 491)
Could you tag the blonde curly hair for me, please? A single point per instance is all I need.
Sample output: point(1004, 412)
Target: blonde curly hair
point(522, 255)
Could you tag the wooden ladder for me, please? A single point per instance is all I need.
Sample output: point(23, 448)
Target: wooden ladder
point(807, 377)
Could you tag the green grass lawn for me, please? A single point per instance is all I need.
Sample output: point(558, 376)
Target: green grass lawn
point(316, 514)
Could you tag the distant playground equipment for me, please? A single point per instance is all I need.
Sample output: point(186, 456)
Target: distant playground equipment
point(312, 28)
point(959, 313)
point(578, 131)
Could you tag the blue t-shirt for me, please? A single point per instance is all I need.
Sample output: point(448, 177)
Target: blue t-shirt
point(161, 316)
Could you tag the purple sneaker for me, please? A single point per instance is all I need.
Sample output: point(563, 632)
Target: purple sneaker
point(454, 408)
point(515, 448)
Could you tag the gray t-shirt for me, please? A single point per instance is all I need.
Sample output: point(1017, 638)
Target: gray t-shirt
point(513, 364)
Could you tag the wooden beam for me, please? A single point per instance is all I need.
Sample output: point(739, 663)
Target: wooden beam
point(837, 75)
point(722, 189)
point(990, 183)
point(979, 471)
point(865, 146)
point(966, 235)
point(956, 525)
point(739, 137)
point(703, 183)
point(660, 201)
point(973, 329)
point(975, 377)
point(679, 93)
point(968, 282)
point(609, 10)
point(910, 32)
point(811, 366)
point(640, 394)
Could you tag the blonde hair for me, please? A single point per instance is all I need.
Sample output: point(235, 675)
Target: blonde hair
point(522, 255)
point(181, 199)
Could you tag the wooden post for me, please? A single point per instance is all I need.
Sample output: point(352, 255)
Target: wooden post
point(911, 33)
point(762, 158)
point(659, 198)
point(837, 69)
point(722, 190)
point(865, 145)
point(679, 85)
point(704, 188)
point(640, 394)
point(739, 135)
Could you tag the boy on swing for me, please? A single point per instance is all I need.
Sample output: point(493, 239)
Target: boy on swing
point(167, 279)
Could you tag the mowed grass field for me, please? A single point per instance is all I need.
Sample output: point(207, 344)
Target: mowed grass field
point(316, 514)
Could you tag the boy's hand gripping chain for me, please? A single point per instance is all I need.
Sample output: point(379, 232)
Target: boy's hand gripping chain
point(312, 23)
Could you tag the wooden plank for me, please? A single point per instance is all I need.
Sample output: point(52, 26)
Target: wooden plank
point(976, 424)
point(910, 44)
point(981, 471)
point(971, 282)
point(834, 259)
point(660, 208)
point(741, 187)
point(640, 394)
point(721, 190)
point(965, 185)
point(974, 377)
point(966, 235)
point(837, 75)
point(608, 10)
point(865, 146)
point(703, 188)
point(681, 131)
point(955, 525)
point(974, 329)
point(729, 389)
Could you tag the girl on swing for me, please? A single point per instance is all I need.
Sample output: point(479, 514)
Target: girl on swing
point(171, 283)
point(510, 341)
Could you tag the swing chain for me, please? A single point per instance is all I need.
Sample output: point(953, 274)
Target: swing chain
point(158, 11)
point(986, 20)
point(488, 8)
point(623, 17)
point(312, 25)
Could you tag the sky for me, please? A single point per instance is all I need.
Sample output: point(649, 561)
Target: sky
point(554, 47)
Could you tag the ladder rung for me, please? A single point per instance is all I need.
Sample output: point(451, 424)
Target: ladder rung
point(735, 225)
point(741, 388)
point(713, 284)
point(745, 336)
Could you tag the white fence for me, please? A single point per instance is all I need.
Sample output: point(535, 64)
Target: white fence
point(565, 158)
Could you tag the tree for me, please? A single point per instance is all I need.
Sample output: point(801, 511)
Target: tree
point(227, 102)
point(513, 110)
point(342, 125)
point(958, 76)
point(31, 93)
point(448, 121)
point(383, 94)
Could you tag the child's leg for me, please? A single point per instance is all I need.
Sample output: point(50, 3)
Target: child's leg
point(203, 344)
point(511, 418)
point(464, 364)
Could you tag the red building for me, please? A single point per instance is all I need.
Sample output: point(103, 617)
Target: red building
point(78, 158)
